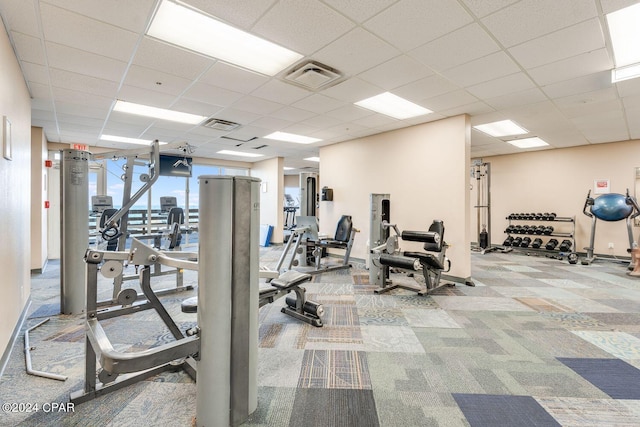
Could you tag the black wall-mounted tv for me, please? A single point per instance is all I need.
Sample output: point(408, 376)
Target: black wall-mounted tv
point(175, 166)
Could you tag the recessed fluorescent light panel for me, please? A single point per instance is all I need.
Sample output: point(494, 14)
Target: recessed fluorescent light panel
point(239, 153)
point(287, 168)
point(528, 142)
point(393, 106)
point(625, 73)
point(624, 29)
point(501, 128)
point(127, 140)
point(157, 113)
point(313, 159)
point(192, 29)
point(291, 137)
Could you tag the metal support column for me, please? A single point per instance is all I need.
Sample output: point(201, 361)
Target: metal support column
point(74, 219)
point(228, 299)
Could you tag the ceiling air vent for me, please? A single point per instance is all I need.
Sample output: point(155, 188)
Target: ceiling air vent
point(219, 124)
point(313, 75)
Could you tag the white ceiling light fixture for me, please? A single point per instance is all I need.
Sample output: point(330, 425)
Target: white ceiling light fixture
point(625, 73)
point(191, 29)
point(239, 153)
point(313, 159)
point(287, 168)
point(501, 128)
point(394, 106)
point(624, 30)
point(291, 137)
point(528, 142)
point(127, 140)
point(157, 113)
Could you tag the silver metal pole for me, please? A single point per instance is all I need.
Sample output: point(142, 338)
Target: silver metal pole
point(228, 299)
point(74, 172)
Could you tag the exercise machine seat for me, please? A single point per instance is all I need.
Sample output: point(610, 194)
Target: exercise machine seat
point(176, 215)
point(343, 234)
point(290, 279)
point(430, 260)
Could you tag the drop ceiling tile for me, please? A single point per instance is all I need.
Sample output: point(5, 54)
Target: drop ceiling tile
point(576, 66)
point(468, 43)
point(502, 86)
point(628, 87)
point(352, 90)
point(82, 110)
point(239, 13)
point(238, 116)
point(150, 79)
point(35, 73)
point(301, 129)
point(398, 71)
point(45, 115)
point(471, 109)
point(292, 114)
point(146, 97)
point(80, 82)
point(271, 123)
point(212, 95)
point(528, 19)
point(609, 126)
point(355, 52)
point(130, 15)
point(81, 62)
point(283, 93)
point(233, 78)
point(169, 59)
point(632, 115)
point(195, 107)
point(426, 88)
point(529, 96)
point(318, 103)
point(359, 10)
point(81, 98)
point(67, 28)
point(349, 113)
point(376, 120)
point(20, 16)
point(576, 101)
point(449, 100)
point(322, 121)
point(590, 108)
point(410, 23)
point(303, 27)
point(481, 70)
point(631, 102)
point(256, 105)
point(590, 83)
point(482, 8)
point(609, 6)
point(563, 139)
point(28, 48)
point(584, 37)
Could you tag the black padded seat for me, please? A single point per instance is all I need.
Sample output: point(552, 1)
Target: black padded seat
point(427, 259)
point(290, 279)
point(342, 236)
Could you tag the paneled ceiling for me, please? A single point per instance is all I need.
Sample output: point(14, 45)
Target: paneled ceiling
point(542, 63)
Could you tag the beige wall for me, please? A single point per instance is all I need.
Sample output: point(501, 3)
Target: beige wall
point(39, 186)
point(424, 168)
point(271, 194)
point(15, 186)
point(558, 181)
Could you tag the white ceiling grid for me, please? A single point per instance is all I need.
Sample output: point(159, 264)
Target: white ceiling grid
point(543, 63)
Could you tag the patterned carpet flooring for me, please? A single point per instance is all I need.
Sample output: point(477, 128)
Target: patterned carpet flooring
point(537, 342)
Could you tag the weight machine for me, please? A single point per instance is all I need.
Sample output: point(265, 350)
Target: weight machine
point(386, 253)
point(481, 171)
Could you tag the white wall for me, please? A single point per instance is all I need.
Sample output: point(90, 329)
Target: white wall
point(424, 168)
point(271, 194)
point(39, 187)
point(15, 187)
point(558, 181)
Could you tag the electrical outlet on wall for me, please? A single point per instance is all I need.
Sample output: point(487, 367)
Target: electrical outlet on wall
point(610, 245)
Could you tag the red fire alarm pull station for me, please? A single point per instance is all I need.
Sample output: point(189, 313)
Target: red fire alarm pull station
point(46, 204)
point(48, 163)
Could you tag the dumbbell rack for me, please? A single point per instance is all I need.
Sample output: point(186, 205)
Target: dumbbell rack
point(567, 233)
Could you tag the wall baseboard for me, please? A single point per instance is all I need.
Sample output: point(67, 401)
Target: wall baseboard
point(14, 336)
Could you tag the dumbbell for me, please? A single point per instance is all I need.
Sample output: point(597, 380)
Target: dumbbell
point(565, 245)
point(540, 229)
point(516, 229)
point(509, 229)
point(525, 242)
point(538, 216)
point(551, 244)
point(547, 230)
point(552, 216)
point(507, 241)
point(532, 229)
point(517, 241)
point(573, 258)
point(537, 242)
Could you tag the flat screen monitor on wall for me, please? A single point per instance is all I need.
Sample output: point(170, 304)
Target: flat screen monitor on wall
point(175, 166)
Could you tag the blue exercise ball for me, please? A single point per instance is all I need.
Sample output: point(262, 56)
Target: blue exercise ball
point(611, 207)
